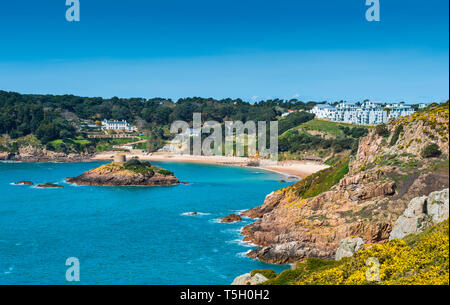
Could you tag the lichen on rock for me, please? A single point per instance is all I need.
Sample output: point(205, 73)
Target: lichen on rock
point(421, 213)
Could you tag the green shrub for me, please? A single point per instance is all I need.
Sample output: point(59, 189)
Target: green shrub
point(302, 270)
point(165, 172)
point(431, 150)
point(396, 134)
point(132, 162)
point(140, 167)
point(382, 130)
point(268, 273)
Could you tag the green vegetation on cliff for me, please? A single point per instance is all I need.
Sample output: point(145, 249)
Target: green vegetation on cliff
point(320, 138)
point(134, 166)
point(421, 259)
point(321, 181)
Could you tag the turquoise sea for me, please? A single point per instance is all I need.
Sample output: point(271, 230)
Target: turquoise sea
point(128, 235)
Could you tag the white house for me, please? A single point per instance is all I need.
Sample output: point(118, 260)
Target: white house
point(285, 114)
point(117, 126)
point(323, 111)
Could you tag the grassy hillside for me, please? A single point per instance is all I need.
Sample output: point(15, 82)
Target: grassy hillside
point(421, 259)
point(328, 128)
point(320, 138)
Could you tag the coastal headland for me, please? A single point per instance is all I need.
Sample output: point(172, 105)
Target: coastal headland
point(290, 168)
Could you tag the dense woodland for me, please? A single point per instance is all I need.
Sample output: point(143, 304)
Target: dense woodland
point(44, 115)
point(52, 118)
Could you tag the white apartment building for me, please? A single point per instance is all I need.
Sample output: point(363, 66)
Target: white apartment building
point(369, 113)
point(117, 126)
point(401, 110)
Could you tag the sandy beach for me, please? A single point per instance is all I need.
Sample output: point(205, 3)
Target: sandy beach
point(299, 169)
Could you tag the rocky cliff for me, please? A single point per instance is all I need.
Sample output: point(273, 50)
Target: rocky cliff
point(126, 174)
point(362, 197)
point(31, 153)
point(421, 213)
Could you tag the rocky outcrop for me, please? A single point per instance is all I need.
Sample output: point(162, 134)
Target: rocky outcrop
point(115, 174)
point(248, 279)
point(271, 202)
point(231, 218)
point(6, 156)
point(49, 185)
point(421, 213)
point(32, 153)
point(288, 252)
point(382, 179)
point(349, 246)
point(24, 183)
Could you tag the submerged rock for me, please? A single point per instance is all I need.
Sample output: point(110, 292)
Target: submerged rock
point(231, 218)
point(248, 279)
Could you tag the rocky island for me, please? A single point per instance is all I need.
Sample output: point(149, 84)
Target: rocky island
point(129, 173)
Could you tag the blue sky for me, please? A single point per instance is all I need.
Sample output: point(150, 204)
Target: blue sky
point(312, 50)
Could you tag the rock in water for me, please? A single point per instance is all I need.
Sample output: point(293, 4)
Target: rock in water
point(248, 279)
point(131, 173)
point(24, 183)
point(231, 218)
point(421, 213)
point(349, 246)
point(49, 185)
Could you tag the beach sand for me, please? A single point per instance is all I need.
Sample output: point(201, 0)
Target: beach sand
point(299, 169)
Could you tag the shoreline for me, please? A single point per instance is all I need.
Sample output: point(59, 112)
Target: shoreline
point(289, 169)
